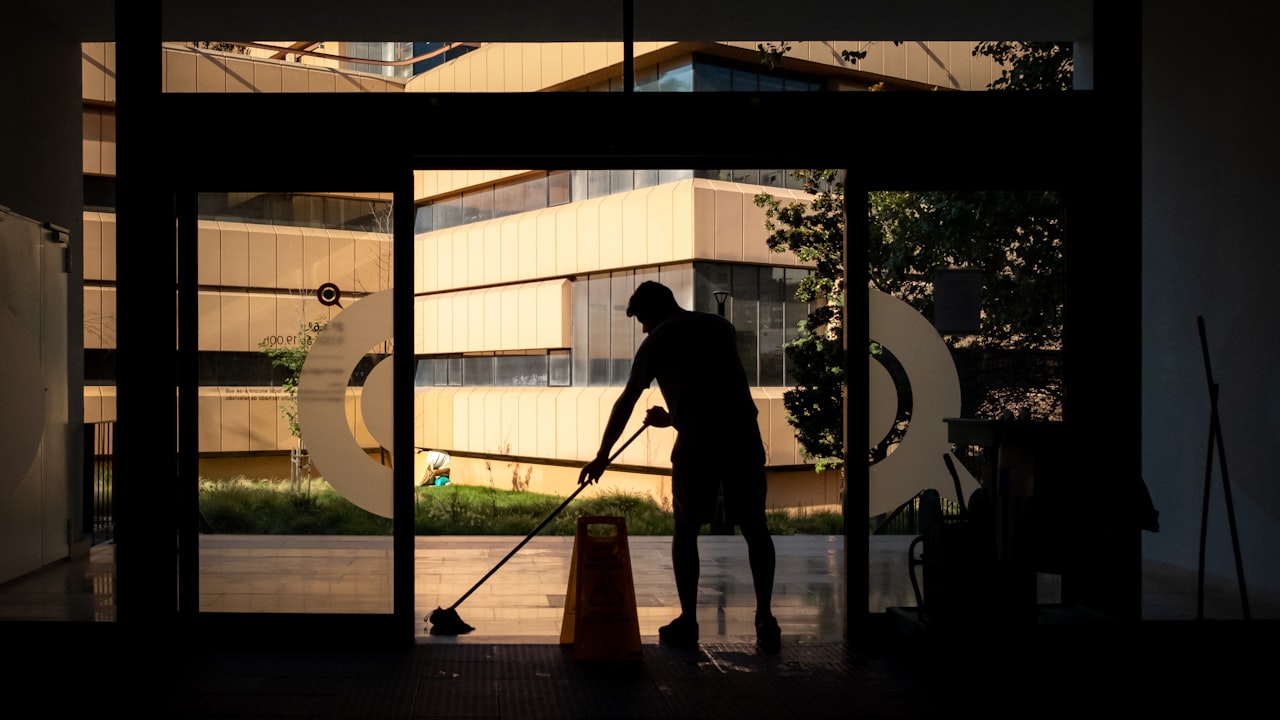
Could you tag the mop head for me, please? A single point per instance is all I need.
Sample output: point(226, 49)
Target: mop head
point(445, 621)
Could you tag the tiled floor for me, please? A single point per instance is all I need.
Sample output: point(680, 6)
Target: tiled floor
point(523, 601)
point(513, 666)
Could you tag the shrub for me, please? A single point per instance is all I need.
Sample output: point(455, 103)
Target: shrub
point(265, 507)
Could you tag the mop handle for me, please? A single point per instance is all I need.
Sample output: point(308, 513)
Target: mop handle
point(548, 519)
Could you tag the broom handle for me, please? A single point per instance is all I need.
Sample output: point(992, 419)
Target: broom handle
point(547, 520)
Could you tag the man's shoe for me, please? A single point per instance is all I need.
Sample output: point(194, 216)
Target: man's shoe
point(768, 634)
point(681, 632)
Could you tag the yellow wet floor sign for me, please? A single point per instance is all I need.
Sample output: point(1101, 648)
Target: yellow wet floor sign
point(600, 619)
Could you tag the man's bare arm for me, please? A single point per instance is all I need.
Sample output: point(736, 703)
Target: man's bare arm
point(618, 417)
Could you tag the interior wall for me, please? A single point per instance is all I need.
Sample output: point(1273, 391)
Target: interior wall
point(41, 181)
point(42, 78)
point(1210, 249)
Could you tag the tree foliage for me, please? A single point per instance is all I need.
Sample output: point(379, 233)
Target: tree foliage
point(290, 356)
point(771, 54)
point(814, 231)
point(1014, 238)
point(1029, 65)
point(223, 47)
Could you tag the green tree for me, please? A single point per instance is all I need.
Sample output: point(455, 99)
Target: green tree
point(814, 231)
point(1029, 65)
point(223, 47)
point(289, 354)
point(1014, 238)
point(771, 54)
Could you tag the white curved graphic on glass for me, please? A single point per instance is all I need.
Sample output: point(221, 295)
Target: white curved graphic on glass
point(916, 464)
point(322, 403)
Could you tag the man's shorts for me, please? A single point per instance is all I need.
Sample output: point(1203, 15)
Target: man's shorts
point(696, 484)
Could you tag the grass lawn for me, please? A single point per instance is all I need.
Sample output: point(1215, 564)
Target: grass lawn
point(268, 507)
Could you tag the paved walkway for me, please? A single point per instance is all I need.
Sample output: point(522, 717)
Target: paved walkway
point(524, 600)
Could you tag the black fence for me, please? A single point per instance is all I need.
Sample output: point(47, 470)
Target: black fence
point(99, 450)
point(905, 519)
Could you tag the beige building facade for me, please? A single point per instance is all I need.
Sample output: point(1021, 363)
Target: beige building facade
point(507, 284)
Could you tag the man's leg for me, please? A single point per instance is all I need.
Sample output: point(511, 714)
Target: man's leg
point(685, 562)
point(763, 560)
point(683, 631)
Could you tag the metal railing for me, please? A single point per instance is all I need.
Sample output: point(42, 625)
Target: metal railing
point(905, 519)
point(99, 504)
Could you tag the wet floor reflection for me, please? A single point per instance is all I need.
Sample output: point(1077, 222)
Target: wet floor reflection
point(522, 602)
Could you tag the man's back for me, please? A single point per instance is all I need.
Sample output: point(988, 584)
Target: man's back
point(694, 358)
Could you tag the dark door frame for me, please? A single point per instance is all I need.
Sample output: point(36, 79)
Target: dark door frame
point(911, 140)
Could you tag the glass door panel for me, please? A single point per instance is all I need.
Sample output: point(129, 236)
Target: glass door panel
point(965, 393)
point(295, 416)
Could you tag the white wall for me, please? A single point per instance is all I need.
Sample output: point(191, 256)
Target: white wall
point(1211, 248)
point(41, 180)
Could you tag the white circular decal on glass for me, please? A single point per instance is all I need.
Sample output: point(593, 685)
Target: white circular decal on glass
point(917, 462)
point(322, 402)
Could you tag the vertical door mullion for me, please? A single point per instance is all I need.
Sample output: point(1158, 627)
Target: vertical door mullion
point(187, 491)
point(402, 404)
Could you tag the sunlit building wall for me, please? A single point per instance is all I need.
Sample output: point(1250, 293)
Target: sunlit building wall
point(495, 288)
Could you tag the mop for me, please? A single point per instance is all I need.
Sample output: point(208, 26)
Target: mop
point(445, 621)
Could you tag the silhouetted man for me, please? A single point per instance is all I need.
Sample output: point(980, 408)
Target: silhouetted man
point(694, 358)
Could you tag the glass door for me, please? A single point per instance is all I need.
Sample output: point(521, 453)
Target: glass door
point(293, 403)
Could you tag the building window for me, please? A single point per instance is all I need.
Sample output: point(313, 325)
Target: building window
point(477, 370)
point(477, 206)
point(559, 190)
point(559, 368)
point(385, 51)
point(296, 210)
point(255, 369)
point(763, 309)
point(761, 306)
point(564, 186)
point(520, 370)
point(446, 213)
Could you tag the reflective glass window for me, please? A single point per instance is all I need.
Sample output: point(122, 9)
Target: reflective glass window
point(647, 79)
point(508, 199)
point(598, 309)
point(534, 193)
point(520, 370)
point(793, 313)
point(558, 188)
point(645, 178)
point(580, 331)
point(711, 78)
point(422, 219)
point(676, 76)
point(772, 328)
point(477, 205)
point(622, 328)
point(559, 370)
point(477, 370)
point(446, 213)
point(744, 81)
